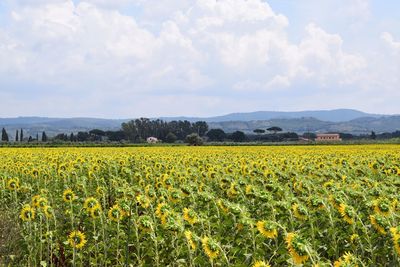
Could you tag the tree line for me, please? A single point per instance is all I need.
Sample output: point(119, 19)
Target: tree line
point(138, 130)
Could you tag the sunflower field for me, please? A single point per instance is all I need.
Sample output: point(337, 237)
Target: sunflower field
point(200, 206)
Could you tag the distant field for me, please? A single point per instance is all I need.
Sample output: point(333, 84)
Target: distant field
point(200, 206)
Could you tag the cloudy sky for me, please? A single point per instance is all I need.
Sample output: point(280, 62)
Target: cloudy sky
point(130, 58)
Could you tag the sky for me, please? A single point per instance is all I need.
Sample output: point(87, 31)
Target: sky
point(133, 58)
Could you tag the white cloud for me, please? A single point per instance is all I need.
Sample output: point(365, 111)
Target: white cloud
point(180, 48)
point(389, 39)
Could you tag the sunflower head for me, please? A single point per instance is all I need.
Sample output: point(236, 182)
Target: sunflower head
point(267, 229)
point(379, 223)
point(261, 264)
point(95, 212)
point(27, 213)
point(190, 216)
point(347, 213)
point(77, 239)
point(210, 247)
point(189, 239)
point(115, 213)
point(347, 260)
point(299, 211)
point(13, 184)
point(145, 223)
point(90, 203)
point(297, 248)
point(68, 195)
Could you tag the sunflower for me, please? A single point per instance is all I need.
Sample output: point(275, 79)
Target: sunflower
point(100, 191)
point(210, 247)
point(48, 211)
point(42, 202)
point(115, 213)
point(77, 239)
point(68, 195)
point(297, 248)
point(162, 210)
point(189, 216)
point(13, 184)
point(267, 229)
point(189, 239)
point(261, 264)
point(382, 207)
point(221, 204)
point(354, 237)
point(27, 213)
point(35, 200)
point(347, 213)
point(299, 211)
point(346, 260)
point(143, 201)
point(378, 222)
point(396, 238)
point(95, 212)
point(90, 203)
point(145, 223)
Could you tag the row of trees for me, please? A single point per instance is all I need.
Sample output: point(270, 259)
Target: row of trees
point(19, 136)
point(139, 129)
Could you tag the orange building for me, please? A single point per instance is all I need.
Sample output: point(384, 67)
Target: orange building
point(328, 137)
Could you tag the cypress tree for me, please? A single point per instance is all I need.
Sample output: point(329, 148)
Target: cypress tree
point(4, 135)
point(44, 137)
point(16, 136)
point(21, 136)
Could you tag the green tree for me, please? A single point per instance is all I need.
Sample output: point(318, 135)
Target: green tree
point(44, 137)
point(4, 135)
point(238, 136)
point(16, 136)
point(21, 136)
point(194, 139)
point(274, 129)
point(170, 138)
point(259, 131)
point(373, 135)
point(216, 135)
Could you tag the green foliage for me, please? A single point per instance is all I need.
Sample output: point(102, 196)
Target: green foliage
point(4, 135)
point(216, 135)
point(194, 140)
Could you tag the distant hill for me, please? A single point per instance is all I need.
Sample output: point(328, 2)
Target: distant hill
point(336, 115)
point(301, 125)
point(340, 120)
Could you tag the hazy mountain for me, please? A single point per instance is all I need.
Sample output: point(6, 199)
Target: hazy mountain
point(336, 115)
point(301, 125)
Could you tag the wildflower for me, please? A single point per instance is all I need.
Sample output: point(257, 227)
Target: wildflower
point(77, 239)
